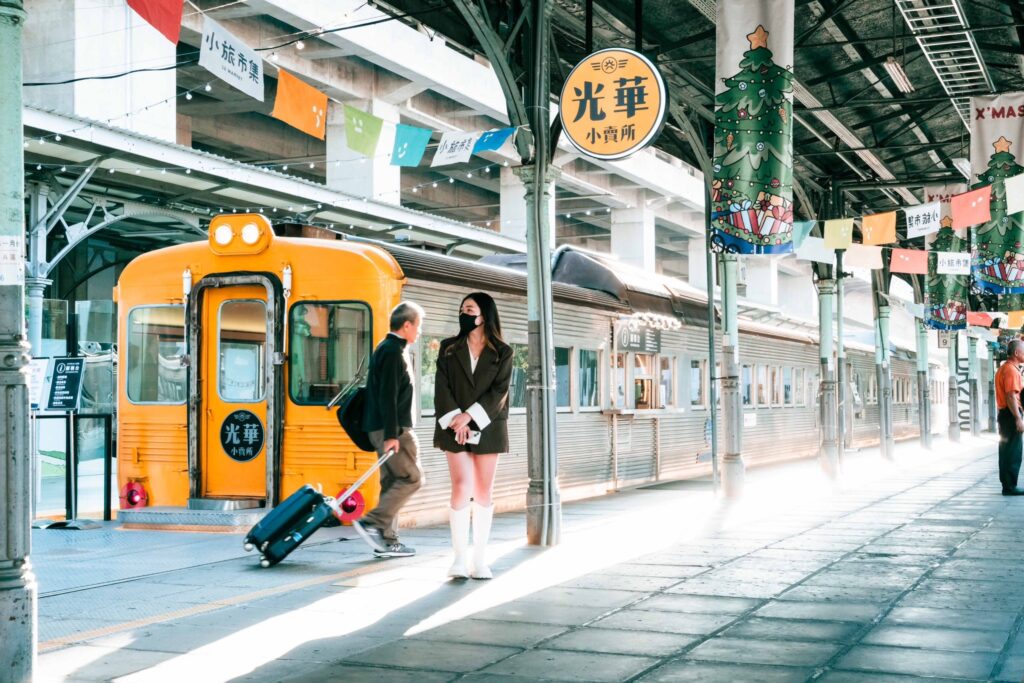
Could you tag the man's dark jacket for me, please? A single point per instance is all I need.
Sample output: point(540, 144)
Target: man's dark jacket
point(389, 389)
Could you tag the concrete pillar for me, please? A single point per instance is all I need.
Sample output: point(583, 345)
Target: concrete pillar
point(796, 296)
point(763, 280)
point(80, 38)
point(924, 400)
point(18, 591)
point(696, 252)
point(733, 468)
point(633, 236)
point(35, 284)
point(351, 172)
point(828, 456)
point(973, 384)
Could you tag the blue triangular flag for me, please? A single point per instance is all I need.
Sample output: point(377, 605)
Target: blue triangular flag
point(410, 144)
point(801, 229)
point(492, 140)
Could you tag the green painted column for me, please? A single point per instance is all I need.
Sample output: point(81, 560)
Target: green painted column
point(19, 630)
point(544, 509)
point(924, 400)
point(828, 456)
point(883, 373)
point(973, 383)
point(954, 418)
point(733, 468)
point(843, 418)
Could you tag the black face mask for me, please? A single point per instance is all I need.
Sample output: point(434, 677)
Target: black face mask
point(467, 323)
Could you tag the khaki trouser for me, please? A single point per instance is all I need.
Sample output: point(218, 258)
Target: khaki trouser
point(400, 477)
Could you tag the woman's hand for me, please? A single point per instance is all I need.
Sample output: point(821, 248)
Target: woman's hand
point(460, 421)
point(461, 435)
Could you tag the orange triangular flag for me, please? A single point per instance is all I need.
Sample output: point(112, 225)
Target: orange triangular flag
point(1014, 320)
point(300, 105)
point(879, 228)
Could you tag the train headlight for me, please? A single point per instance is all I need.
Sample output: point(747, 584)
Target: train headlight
point(240, 234)
point(223, 235)
point(250, 233)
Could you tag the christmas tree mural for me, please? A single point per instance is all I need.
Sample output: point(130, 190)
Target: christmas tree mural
point(753, 165)
point(998, 259)
point(946, 303)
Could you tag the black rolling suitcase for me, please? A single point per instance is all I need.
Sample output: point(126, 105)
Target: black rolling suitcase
point(285, 527)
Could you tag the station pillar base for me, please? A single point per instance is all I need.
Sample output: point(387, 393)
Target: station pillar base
point(734, 473)
point(18, 595)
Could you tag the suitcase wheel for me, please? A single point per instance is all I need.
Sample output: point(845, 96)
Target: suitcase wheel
point(248, 547)
point(264, 562)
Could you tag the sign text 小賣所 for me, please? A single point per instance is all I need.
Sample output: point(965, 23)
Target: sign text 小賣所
point(242, 435)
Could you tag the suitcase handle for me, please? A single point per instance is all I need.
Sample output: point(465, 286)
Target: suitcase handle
point(335, 503)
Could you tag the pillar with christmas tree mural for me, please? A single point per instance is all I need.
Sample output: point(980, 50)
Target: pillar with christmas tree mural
point(946, 295)
point(997, 150)
point(753, 163)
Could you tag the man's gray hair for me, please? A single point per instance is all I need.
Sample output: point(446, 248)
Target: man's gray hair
point(405, 312)
point(1013, 347)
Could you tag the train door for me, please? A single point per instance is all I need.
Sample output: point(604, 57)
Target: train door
point(235, 397)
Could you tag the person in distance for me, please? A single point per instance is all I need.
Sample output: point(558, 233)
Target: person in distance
point(1008, 385)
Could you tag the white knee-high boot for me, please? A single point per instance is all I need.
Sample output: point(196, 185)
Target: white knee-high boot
point(459, 520)
point(482, 517)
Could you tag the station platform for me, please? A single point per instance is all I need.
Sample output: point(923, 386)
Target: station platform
point(906, 569)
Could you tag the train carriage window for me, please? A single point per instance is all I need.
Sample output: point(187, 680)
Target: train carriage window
point(748, 377)
point(156, 345)
point(517, 387)
point(775, 385)
point(787, 386)
point(589, 379)
point(643, 381)
point(799, 387)
point(697, 387)
point(618, 387)
point(762, 385)
point(428, 369)
point(563, 377)
point(328, 343)
point(666, 390)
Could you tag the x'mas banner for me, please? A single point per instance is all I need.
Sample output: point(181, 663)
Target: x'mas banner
point(997, 151)
point(946, 293)
point(753, 164)
point(300, 105)
point(230, 60)
point(163, 15)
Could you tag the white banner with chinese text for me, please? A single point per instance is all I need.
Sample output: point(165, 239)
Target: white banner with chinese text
point(231, 60)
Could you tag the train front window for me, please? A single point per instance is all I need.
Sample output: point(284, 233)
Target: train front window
point(242, 346)
point(329, 343)
point(156, 345)
point(644, 375)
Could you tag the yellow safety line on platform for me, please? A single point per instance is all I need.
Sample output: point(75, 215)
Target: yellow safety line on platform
point(81, 636)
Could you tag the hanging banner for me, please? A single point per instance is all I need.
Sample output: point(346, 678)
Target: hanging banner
point(300, 105)
point(753, 213)
point(838, 233)
point(813, 249)
point(879, 228)
point(613, 104)
point(911, 261)
point(971, 208)
point(946, 291)
point(410, 144)
point(801, 229)
point(230, 60)
point(922, 220)
point(454, 148)
point(362, 131)
point(997, 151)
point(12, 260)
point(859, 256)
point(953, 263)
point(163, 15)
point(492, 140)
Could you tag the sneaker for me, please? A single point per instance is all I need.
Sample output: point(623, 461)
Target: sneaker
point(371, 535)
point(395, 550)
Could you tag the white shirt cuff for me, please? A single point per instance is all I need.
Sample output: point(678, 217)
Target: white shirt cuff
point(447, 418)
point(479, 415)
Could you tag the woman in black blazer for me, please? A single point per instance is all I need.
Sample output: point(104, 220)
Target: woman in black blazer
point(471, 397)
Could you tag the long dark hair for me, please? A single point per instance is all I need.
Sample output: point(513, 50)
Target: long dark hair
point(489, 312)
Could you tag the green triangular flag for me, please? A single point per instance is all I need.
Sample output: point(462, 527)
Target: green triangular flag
point(362, 130)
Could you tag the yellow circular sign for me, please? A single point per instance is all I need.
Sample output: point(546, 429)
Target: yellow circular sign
point(613, 103)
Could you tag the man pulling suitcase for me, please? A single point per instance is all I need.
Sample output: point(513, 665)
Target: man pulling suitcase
point(388, 420)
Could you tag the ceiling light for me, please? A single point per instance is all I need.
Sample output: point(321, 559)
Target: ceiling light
point(963, 165)
point(898, 75)
point(300, 45)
